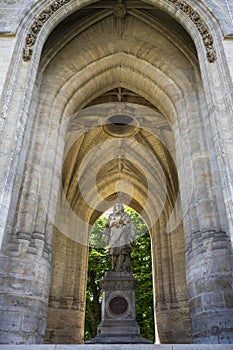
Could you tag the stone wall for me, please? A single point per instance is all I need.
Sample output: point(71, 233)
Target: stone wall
point(177, 57)
point(66, 306)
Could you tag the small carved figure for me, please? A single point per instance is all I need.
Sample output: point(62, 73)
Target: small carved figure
point(27, 53)
point(119, 235)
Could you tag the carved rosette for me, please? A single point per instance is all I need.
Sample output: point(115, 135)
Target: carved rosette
point(38, 24)
point(120, 12)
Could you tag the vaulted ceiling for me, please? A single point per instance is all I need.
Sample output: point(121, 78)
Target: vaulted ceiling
point(119, 152)
point(114, 58)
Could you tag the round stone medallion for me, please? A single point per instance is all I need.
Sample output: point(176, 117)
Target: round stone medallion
point(118, 305)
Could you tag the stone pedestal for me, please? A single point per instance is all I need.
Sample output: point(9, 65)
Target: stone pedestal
point(118, 321)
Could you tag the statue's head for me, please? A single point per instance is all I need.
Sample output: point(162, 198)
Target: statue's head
point(118, 207)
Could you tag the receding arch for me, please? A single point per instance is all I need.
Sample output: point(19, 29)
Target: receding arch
point(173, 92)
point(146, 202)
point(167, 6)
point(191, 113)
point(60, 15)
point(113, 70)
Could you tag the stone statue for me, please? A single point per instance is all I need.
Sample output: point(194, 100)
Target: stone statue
point(119, 235)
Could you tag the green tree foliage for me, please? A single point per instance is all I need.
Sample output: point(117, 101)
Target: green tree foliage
point(99, 262)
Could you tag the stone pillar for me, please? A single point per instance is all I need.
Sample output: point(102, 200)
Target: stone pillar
point(170, 289)
point(25, 280)
point(67, 299)
point(208, 264)
point(209, 279)
point(207, 243)
point(208, 255)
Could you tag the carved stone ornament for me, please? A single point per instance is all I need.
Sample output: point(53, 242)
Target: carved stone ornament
point(119, 12)
point(38, 24)
point(201, 27)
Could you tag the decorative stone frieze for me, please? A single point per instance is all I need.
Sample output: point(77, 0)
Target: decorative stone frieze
point(119, 12)
point(38, 24)
point(200, 25)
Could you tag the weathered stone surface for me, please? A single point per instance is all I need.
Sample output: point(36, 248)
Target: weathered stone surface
point(157, 59)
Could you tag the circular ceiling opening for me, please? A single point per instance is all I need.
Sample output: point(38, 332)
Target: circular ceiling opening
point(120, 125)
point(120, 119)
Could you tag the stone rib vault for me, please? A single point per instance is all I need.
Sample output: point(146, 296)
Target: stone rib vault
point(101, 99)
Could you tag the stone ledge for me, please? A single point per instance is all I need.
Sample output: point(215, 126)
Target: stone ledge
point(119, 347)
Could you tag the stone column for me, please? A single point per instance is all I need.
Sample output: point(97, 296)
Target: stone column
point(26, 258)
point(25, 280)
point(66, 309)
point(209, 279)
point(171, 300)
point(207, 243)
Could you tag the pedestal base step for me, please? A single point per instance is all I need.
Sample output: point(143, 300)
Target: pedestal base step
point(118, 339)
point(119, 347)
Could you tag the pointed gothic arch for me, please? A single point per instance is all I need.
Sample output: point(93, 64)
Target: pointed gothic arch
point(183, 84)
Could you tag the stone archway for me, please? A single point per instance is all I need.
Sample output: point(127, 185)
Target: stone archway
point(158, 62)
point(104, 160)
